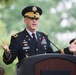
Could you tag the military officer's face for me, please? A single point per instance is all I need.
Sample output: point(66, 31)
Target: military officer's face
point(31, 23)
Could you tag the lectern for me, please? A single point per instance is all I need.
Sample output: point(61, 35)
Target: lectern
point(47, 64)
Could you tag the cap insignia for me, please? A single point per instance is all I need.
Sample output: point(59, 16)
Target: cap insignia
point(34, 9)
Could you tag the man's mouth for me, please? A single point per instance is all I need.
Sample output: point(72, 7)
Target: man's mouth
point(33, 24)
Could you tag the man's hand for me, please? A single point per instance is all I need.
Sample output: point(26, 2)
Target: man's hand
point(5, 47)
point(72, 47)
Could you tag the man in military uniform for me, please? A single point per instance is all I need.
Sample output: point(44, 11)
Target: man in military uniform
point(29, 42)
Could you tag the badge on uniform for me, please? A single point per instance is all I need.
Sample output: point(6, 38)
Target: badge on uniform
point(43, 41)
point(25, 43)
point(27, 47)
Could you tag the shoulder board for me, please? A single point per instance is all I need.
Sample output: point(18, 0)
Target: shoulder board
point(44, 33)
point(15, 35)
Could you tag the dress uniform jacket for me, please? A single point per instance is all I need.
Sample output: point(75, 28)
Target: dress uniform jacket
point(22, 45)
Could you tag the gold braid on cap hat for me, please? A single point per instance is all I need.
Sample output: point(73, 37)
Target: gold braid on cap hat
point(32, 14)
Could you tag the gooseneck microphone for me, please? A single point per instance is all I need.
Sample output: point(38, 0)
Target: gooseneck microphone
point(54, 45)
point(51, 42)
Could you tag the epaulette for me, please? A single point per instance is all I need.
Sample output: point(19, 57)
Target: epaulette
point(44, 33)
point(15, 35)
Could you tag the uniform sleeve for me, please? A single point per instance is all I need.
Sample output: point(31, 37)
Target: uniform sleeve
point(66, 51)
point(14, 50)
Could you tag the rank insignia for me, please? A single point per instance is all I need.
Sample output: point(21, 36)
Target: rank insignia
point(15, 35)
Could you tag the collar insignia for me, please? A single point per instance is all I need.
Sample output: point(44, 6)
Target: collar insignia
point(26, 35)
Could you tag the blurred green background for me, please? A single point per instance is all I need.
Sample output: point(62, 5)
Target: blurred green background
point(58, 21)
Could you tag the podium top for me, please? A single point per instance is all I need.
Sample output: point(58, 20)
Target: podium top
point(39, 57)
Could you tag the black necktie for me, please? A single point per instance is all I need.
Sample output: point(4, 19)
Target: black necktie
point(34, 39)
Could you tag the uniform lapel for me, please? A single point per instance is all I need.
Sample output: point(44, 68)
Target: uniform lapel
point(27, 37)
point(38, 39)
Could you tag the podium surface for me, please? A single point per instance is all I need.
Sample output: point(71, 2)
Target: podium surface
point(47, 63)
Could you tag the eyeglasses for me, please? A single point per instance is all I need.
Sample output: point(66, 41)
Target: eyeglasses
point(33, 18)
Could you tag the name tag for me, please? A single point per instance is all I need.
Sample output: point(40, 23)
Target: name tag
point(26, 47)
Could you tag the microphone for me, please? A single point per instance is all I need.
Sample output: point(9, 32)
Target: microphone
point(54, 45)
point(51, 42)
